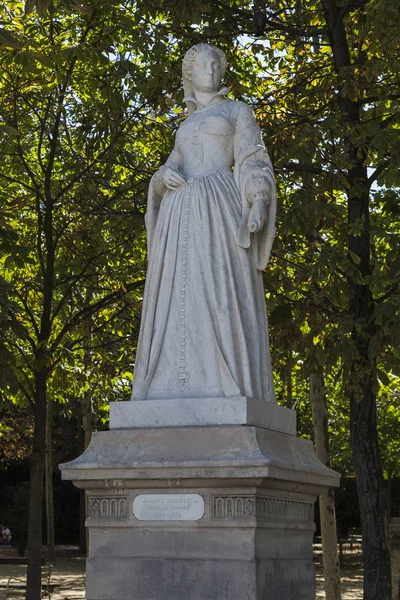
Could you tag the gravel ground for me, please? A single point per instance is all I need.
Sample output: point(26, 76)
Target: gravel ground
point(69, 576)
point(351, 578)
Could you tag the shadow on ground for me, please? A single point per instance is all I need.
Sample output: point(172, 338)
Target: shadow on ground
point(68, 577)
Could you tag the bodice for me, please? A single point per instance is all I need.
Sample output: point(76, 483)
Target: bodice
point(205, 139)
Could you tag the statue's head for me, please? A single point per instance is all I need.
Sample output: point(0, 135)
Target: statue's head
point(203, 68)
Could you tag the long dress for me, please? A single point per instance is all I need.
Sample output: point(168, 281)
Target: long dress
point(204, 325)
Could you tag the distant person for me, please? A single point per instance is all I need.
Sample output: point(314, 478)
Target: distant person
point(5, 537)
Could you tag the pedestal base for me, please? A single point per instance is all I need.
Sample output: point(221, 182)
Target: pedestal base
point(183, 412)
point(247, 546)
point(219, 512)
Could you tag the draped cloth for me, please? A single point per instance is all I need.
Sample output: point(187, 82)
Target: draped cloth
point(204, 326)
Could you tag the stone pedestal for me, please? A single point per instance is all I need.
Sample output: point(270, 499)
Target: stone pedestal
point(200, 500)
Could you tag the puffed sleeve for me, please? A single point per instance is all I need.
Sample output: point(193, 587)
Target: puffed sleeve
point(255, 180)
point(258, 187)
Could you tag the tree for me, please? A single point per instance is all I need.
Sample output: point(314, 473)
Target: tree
point(63, 187)
point(322, 79)
point(343, 121)
point(326, 499)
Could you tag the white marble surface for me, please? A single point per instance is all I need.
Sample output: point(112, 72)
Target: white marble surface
point(199, 452)
point(254, 537)
point(204, 424)
point(168, 507)
point(210, 224)
point(207, 411)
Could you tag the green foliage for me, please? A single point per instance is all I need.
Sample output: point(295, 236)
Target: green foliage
point(89, 103)
point(73, 187)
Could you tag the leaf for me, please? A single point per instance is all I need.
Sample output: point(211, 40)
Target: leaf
point(8, 40)
point(19, 329)
point(383, 377)
point(374, 345)
point(10, 130)
point(281, 315)
point(354, 257)
point(29, 6)
point(43, 5)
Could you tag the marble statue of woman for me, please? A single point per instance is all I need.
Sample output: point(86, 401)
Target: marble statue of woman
point(210, 225)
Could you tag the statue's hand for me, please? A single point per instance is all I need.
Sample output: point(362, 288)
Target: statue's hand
point(257, 216)
point(173, 179)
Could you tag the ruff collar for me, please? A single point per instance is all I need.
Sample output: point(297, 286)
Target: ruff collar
point(214, 99)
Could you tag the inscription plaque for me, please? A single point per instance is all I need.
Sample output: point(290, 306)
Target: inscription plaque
point(168, 507)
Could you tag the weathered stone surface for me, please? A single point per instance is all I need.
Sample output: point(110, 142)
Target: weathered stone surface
point(171, 579)
point(203, 347)
point(278, 539)
point(210, 224)
point(239, 555)
point(254, 540)
point(200, 452)
point(207, 411)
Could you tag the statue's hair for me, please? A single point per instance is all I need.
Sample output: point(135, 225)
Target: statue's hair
point(190, 56)
point(187, 66)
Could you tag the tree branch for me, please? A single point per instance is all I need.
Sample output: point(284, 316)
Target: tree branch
point(30, 315)
point(27, 396)
point(393, 289)
point(21, 183)
point(378, 172)
point(92, 308)
point(351, 6)
point(372, 99)
point(302, 168)
point(387, 121)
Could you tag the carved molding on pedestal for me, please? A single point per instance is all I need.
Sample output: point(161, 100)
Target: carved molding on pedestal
point(261, 508)
point(233, 507)
point(100, 507)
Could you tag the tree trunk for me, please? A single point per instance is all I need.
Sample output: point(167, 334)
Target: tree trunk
point(326, 499)
point(47, 253)
point(362, 378)
point(371, 497)
point(34, 576)
point(51, 555)
point(88, 422)
point(289, 381)
point(88, 418)
point(389, 496)
point(83, 539)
